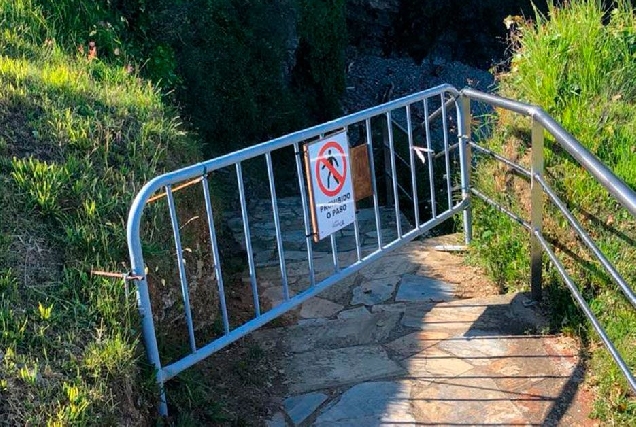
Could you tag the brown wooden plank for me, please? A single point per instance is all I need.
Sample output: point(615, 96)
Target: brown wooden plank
point(361, 172)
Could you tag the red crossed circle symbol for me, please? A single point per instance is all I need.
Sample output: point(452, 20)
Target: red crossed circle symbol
point(324, 161)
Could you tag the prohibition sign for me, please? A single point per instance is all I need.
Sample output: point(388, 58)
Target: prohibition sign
point(326, 161)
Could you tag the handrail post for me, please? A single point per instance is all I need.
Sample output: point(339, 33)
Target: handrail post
point(536, 214)
point(464, 120)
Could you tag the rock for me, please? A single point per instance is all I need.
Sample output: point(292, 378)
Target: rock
point(414, 343)
point(354, 313)
point(371, 404)
point(317, 307)
point(423, 289)
point(477, 350)
point(274, 296)
point(390, 265)
point(392, 308)
point(331, 333)
point(372, 292)
point(446, 317)
point(477, 393)
point(320, 369)
point(299, 408)
point(433, 364)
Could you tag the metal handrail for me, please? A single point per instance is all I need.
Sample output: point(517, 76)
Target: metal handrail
point(615, 186)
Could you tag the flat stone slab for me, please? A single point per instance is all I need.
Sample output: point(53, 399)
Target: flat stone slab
point(433, 364)
point(274, 296)
point(472, 400)
point(415, 288)
point(392, 308)
point(371, 404)
point(389, 266)
point(320, 369)
point(299, 408)
point(455, 318)
point(330, 333)
point(476, 350)
point(354, 313)
point(372, 292)
point(414, 343)
point(318, 307)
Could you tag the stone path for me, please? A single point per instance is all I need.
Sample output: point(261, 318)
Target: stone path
point(395, 346)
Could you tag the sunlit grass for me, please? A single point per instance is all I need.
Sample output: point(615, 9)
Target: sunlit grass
point(81, 136)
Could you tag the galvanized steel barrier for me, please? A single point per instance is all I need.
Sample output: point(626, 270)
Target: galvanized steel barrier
point(441, 97)
point(440, 210)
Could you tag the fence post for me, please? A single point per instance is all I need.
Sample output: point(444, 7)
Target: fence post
point(464, 121)
point(536, 214)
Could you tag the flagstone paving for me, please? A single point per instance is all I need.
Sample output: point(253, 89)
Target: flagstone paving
point(416, 338)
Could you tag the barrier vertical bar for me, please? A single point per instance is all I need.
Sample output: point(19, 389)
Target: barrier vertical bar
point(376, 208)
point(429, 155)
point(465, 160)
point(449, 187)
point(334, 253)
point(248, 240)
point(387, 165)
point(137, 267)
point(215, 253)
point(416, 203)
point(356, 231)
point(398, 222)
point(279, 237)
point(181, 264)
point(303, 199)
point(536, 212)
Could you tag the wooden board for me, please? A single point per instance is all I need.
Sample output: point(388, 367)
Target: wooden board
point(361, 171)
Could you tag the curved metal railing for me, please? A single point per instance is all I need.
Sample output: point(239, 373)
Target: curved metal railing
point(614, 185)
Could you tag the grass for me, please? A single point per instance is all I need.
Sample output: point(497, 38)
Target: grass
point(578, 63)
point(78, 138)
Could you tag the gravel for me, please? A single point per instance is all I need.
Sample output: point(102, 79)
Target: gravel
point(369, 77)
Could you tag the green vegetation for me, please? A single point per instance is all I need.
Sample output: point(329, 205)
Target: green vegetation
point(78, 137)
point(578, 63)
point(244, 70)
point(86, 117)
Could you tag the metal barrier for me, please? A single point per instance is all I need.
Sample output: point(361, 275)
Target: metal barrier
point(440, 210)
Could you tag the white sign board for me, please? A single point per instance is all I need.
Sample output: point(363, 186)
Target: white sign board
point(331, 184)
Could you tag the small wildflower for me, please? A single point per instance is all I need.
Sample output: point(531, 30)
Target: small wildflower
point(92, 51)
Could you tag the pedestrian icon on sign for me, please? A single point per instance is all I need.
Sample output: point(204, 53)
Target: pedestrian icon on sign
point(330, 184)
point(331, 159)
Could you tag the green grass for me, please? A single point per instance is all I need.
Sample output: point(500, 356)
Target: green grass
point(578, 63)
point(78, 138)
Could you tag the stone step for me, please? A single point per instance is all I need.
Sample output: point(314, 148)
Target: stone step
point(330, 334)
